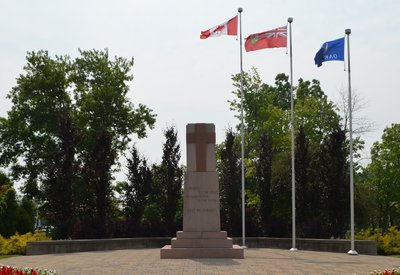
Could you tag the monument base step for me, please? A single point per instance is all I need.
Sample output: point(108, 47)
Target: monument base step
point(234, 252)
point(195, 243)
point(201, 235)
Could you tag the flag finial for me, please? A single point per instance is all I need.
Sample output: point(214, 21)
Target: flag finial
point(290, 19)
point(240, 9)
point(347, 31)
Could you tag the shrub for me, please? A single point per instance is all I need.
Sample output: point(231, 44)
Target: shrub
point(388, 242)
point(2, 242)
point(16, 244)
point(391, 241)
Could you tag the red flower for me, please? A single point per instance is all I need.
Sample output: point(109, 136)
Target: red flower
point(7, 270)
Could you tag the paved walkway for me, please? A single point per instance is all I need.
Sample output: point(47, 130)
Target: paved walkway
point(257, 261)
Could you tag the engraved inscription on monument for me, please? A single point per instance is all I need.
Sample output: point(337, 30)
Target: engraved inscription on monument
point(201, 202)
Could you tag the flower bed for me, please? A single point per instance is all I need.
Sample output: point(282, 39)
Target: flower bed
point(10, 270)
point(386, 272)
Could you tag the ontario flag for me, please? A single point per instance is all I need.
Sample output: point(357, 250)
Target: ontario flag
point(276, 38)
point(227, 28)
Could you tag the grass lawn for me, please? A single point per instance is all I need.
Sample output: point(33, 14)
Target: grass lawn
point(6, 256)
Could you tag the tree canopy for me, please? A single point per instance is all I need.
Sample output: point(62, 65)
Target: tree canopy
point(68, 117)
point(71, 120)
point(382, 176)
point(267, 157)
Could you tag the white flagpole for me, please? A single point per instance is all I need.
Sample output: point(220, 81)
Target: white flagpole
point(290, 20)
point(242, 127)
point(352, 251)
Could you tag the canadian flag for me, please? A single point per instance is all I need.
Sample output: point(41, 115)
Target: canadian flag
point(227, 28)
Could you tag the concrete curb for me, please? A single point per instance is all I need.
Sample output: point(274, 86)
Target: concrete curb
point(71, 246)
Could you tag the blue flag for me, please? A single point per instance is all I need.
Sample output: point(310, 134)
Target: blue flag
point(330, 51)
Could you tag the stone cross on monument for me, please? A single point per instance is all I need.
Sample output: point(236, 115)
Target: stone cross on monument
point(201, 236)
point(200, 138)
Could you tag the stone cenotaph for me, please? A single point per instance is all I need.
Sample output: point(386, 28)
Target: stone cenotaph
point(201, 236)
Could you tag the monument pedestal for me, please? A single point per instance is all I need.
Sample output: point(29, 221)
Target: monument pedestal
point(201, 236)
point(207, 244)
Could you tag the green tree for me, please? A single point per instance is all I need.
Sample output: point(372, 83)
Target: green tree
point(228, 165)
point(26, 215)
point(263, 179)
point(314, 112)
point(267, 109)
point(9, 209)
point(107, 119)
point(322, 189)
point(383, 176)
point(69, 123)
point(30, 134)
point(15, 215)
point(336, 183)
point(137, 189)
point(170, 176)
point(58, 207)
point(97, 174)
point(38, 138)
point(304, 191)
point(366, 210)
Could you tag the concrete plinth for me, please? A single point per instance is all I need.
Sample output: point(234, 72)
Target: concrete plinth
point(234, 252)
point(206, 244)
point(201, 242)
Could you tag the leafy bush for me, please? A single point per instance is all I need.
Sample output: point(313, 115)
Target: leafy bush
point(388, 242)
point(2, 242)
point(16, 244)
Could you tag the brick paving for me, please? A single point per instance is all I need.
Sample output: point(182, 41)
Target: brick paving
point(257, 261)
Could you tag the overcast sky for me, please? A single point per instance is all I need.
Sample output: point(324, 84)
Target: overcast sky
point(187, 80)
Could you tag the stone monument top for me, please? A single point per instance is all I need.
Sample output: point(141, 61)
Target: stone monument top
point(200, 153)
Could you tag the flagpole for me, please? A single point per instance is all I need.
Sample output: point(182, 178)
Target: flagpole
point(242, 127)
point(290, 20)
point(352, 251)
